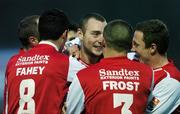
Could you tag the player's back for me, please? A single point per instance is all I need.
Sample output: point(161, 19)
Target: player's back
point(116, 86)
point(36, 81)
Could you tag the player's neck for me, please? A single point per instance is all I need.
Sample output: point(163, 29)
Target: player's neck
point(54, 43)
point(113, 53)
point(158, 61)
point(26, 49)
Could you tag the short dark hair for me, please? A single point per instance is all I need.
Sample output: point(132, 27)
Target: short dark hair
point(88, 16)
point(52, 24)
point(154, 31)
point(28, 27)
point(118, 35)
point(73, 27)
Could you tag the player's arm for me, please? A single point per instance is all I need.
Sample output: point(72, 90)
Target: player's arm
point(165, 97)
point(75, 98)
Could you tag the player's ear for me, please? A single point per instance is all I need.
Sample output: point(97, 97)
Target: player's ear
point(33, 41)
point(153, 48)
point(64, 35)
point(80, 33)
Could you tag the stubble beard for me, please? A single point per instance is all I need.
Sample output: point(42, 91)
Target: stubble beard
point(90, 53)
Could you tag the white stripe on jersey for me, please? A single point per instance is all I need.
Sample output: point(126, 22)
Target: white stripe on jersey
point(74, 67)
point(75, 98)
point(168, 94)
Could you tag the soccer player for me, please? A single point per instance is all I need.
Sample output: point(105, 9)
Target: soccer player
point(91, 32)
point(150, 42)
point(28, 35)
point(36, 80)
point(115, 85)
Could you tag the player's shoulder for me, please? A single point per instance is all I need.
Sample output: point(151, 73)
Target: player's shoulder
point(173, 70)
point(171, 67)
point(59, 60)
point(140, 66)
point(161, 74)
point(90, 69)
point(89, 75)
point(14, 58)
point(168, 83)
point(61, 56)
point(75, 63)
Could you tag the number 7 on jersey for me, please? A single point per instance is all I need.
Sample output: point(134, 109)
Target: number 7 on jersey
point(118, 98)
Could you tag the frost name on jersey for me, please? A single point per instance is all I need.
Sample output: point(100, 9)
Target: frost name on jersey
point(122, 79)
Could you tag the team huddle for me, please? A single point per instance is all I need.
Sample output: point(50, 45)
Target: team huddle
point(86, 68)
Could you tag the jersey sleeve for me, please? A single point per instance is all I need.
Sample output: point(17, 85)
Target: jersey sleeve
point(165, 97)
point(75, 98)
point(74, 67)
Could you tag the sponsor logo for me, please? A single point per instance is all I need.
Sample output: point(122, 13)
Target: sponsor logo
point(36, 59)
point(122, 79)
point(119, 74)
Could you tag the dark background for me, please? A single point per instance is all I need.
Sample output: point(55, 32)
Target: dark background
point(133, 11)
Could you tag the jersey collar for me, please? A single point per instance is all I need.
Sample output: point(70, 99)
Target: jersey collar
point(49, 43)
